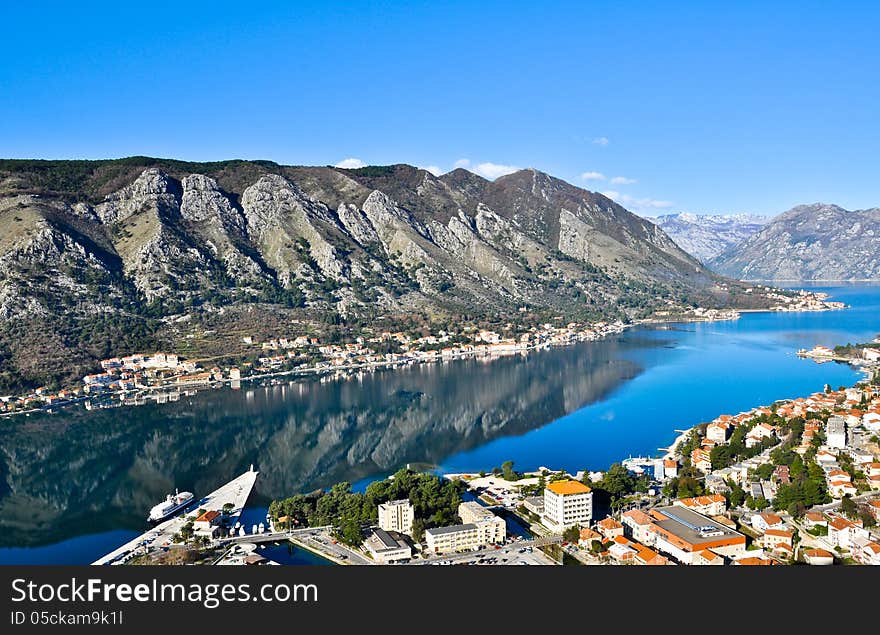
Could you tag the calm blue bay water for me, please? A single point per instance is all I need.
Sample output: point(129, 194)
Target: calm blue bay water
point(699, 371)
point(77, 484)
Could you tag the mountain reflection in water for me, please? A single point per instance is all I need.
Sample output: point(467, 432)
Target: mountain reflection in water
point(77, 471)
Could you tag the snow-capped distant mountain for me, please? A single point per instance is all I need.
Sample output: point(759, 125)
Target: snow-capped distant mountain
point(707, 236)
point(809, 242)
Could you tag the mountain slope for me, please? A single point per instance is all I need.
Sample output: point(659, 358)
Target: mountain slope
point(97, 257)
point(809, 242)
point(707, 236)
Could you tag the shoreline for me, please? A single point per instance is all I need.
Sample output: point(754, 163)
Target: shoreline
point(117, 399)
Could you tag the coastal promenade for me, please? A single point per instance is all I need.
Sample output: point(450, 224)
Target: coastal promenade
point(235, 492)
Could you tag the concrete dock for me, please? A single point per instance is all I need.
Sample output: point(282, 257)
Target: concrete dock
point(235, 492)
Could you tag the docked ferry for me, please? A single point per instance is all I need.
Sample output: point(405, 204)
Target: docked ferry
point(172, 504)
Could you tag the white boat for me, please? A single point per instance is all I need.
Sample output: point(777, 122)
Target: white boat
point(172, 504)
point(262, 527)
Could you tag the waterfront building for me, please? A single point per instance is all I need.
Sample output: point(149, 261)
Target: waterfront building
point(397, 516)
point(567, 503)
point(206, 524)
point(385, 548)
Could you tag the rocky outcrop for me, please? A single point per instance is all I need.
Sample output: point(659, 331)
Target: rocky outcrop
point(152, 191)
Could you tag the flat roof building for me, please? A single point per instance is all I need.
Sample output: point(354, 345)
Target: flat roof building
point(492, 528)
point(682, 533)
point(385, 548)
point(397, 516)
point(567, 504)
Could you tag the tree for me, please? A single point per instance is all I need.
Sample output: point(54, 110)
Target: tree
point(418, 530)
point(507, 471)
point(848, 507)
point(756, 504)
point(349, 532)
point(737, 494)
point(571, 534)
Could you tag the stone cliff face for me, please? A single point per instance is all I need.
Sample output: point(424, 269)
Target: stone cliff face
point(175, 239)
point(809, 242)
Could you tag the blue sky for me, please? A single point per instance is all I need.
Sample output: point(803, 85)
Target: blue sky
point(690, 107)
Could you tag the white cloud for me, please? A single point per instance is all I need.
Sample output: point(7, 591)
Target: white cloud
point(350, 163)
point(462, 163)
point(636, 203)
point(492, 171)
point(622, 180)
point(433, 169)
point(593, 176)
point(601, 141)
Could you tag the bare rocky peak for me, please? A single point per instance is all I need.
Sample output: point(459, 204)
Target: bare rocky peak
point(152, 189)
point(202, 201)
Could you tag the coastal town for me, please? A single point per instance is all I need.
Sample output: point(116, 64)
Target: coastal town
point(135, 379)
point(793, 482)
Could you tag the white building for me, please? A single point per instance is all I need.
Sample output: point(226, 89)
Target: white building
point(567, 503)
point(386, 549)
point(638, 526)
point(453, 538)
point(492, 529)
point(396, 516)
point(835, 432)
point(717, 432)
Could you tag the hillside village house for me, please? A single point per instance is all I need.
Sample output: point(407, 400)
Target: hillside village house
point(843, 532)
point(867, 553)
point(649, 557)
point(637, 525)
point(819, 557)
point(815, 519)
point(717, 432)
point(712, 505)
point(778, 540)
point(760, 432)
point(609, 528)
point(767, 520)
point(700, 460)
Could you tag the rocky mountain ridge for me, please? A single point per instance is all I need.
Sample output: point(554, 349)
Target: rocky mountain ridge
point(98, 257)
point(818, 242)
